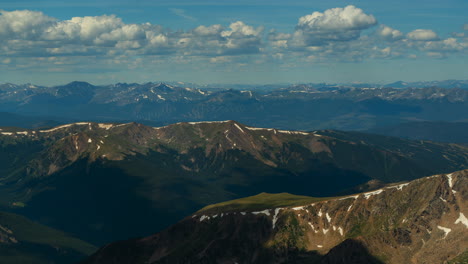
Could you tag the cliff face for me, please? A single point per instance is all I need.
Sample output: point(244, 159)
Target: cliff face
point(422, 221)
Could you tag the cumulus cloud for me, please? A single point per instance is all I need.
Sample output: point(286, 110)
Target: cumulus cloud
point(46, 35)
point(336, 24)
point(23, 24)
point(389, 33)
point(446, 45)
point(422, 35)
point(334, 34)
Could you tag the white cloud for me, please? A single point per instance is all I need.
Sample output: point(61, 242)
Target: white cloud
point(446, 45)
point(23, 24)
point(336, 34)
point(422, 35)
point(29, 33)
point(240, 29)
point(389, 33)
point(208, 31)
point(336, 24)
point(337, 19)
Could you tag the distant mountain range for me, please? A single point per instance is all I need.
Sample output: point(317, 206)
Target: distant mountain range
point(462, 84)
point(303, 107)
point(422, 221)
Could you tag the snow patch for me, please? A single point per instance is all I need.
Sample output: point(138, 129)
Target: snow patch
point(298, 208)
point(119, 125)
point(369, 194)
point(328, 218)
point(106, 126)
point(445, 229)
point(462, 220)
point(293, 132)
point(90, 140)
point(206, 122)
point(320, 213)
point(340, 230)
point(266, 211)
point(319, 246)
point(349, 197)
point(325, 231)
point(64, 126)
point(242, 213)
point(203, 217)
point(98, 147)
point(398, 187)
point(161, 98)
point(239, 128)
point(449, 177)
point(5, 229)
point(7, 133)
point(349, 208)
point(275, 216)
point(259, 128)
point(22, 133)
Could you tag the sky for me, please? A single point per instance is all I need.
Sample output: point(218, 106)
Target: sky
point(50, 42)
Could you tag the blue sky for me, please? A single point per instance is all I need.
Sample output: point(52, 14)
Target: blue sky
point(54, 42)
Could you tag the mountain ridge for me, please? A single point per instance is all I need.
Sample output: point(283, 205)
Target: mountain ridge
point(304, 106)
point(415, 222)
point(146, 169)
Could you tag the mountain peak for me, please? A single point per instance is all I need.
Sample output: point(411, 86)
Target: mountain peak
point(79, 84)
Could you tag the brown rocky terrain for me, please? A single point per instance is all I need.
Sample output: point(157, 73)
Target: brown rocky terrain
point(422, 221)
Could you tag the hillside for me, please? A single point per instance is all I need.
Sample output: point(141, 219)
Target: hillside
point(422, 221)
point(24, 241)
point(133, 180)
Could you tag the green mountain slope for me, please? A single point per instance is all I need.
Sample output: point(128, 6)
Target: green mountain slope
point(422, 221)
point(24, 241)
